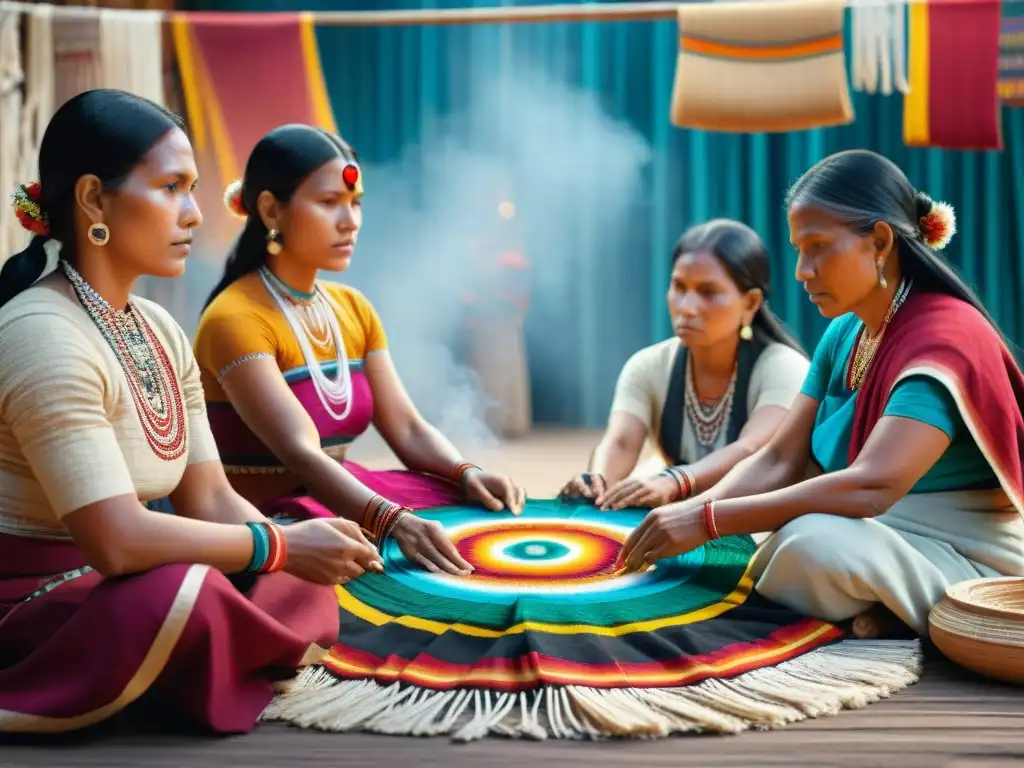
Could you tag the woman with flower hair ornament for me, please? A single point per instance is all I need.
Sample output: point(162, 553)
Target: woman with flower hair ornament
point(898, 471)
point(296, 367)
point(103, 600)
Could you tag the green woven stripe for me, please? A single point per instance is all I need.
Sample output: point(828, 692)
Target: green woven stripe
point(725, 562)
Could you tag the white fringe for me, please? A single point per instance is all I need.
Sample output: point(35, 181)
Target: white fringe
point(847, 675)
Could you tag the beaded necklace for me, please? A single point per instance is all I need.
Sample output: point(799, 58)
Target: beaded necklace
point(865, 347)
point(147, 369)
point(707, 420)
point(335, 394)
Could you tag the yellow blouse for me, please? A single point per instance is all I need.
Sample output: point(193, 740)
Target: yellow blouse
point(244, 322)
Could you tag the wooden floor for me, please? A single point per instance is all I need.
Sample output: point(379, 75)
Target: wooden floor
point(950, 718)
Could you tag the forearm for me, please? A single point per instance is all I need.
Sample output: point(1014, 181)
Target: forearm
point(762, 472)
point(847, 493)
point(613, 460)
point(332, 485)
point(150, 540)
point(222, 506)
point(710, 470)
point(421, 447)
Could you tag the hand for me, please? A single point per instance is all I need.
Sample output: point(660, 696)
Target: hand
point(586, 485)
point(665, 532)
point(633, 492)
point(425, 543)
point(496, 492)
point(329, 551)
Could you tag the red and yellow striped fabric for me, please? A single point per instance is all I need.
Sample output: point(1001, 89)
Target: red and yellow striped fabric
point(245, 74)
point(953, 74)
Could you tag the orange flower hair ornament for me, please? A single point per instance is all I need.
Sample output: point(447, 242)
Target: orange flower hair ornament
point(233, 199)
point(938, 226)
point(26, 206)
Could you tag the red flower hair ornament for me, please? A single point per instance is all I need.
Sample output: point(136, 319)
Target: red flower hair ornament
point(26, 204)
point(938, 226)
point(233, 199)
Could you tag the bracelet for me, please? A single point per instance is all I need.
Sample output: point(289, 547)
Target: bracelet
point(682, 479)
point(462, 469)
point(709, 520)
point(269, 548)
point(381, 517)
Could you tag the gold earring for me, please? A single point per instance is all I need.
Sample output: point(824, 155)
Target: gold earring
point(99, 234)
point(273, 244)
point(881, 278)
point(746, 332)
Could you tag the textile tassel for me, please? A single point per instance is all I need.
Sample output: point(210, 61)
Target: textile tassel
point(847, 675)
point(879, 47)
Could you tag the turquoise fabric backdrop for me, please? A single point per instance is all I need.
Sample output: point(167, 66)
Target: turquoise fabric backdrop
point(384, 82)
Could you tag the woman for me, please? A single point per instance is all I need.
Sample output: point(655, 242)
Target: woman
point(711, 395)
point(101, 410)
point(911, 412)
point(295, 367)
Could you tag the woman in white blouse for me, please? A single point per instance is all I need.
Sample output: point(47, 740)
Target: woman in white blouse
point(711, 395)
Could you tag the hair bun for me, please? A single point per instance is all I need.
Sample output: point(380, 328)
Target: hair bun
point(233, 199)
point(26, 202)
point(936, 221)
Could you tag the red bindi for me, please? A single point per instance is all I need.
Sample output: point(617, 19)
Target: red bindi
point(350, 176)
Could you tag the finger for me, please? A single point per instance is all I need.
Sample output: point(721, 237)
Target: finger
point(634, 498)
point(449, 551)
point(520, 499)
point(420, 559)
point(486, 497)
point(620, 491)
point(349, 570)
point(599, 486)
point(633, 538)
point(442, 563)
point(642, 554)
point(510, 495)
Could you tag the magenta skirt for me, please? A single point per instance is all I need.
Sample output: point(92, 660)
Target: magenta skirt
point(410, 489)
point(75, 652)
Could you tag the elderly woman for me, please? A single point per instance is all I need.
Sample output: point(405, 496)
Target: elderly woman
point(910, 414)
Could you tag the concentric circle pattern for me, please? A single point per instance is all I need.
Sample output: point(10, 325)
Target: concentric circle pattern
point(553, 553)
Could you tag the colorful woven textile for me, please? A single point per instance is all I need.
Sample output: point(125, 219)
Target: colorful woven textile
point(953, 68)
point(1011, 55)
point(544, 639)
point(768, 66)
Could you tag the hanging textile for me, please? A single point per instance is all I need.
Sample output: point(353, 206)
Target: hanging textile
point(1011, 55)
point(758, 67)
point(244, 74)
point(954, 71)
point(12, 237)
point(76, 42)
point(547, 639)
point(131, 52)
point(878, 31)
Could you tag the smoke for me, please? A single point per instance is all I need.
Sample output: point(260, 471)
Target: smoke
point(526, 168)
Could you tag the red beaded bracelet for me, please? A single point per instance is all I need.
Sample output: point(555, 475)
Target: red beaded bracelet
point(709, 520)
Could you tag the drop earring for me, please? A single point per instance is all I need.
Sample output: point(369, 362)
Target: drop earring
point(273, 242)
point(881, 278)
point(99, 234)
point(746, 332)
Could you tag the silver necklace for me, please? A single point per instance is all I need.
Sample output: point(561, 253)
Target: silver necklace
point(708, 420)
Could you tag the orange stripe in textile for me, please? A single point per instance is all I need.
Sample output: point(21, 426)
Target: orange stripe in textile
point(801, 50)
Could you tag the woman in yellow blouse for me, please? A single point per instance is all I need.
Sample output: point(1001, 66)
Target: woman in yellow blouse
point(295, 367)
point(102, 411)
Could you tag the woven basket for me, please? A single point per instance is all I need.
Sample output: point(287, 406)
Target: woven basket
point(979, 624)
